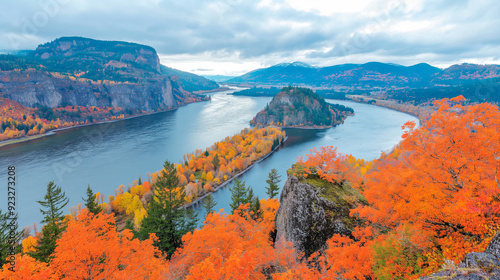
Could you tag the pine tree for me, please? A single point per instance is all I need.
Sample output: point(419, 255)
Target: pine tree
point(208, 203)
point(273, 181)
point(54, 201)
point(9, 236)
point(255, 208)
point(250, 197)
point(91, 203)
point(166, 216)
point(216, 162)
point(239, 194)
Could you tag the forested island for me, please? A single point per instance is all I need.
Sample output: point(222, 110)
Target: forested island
point(301, 107)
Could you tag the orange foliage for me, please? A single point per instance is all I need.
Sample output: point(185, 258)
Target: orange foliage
point(234, 154)
point(228, 246)
point(444, 181)
point(331, 165)
point(91, 248)
point(27, 268)
point(20, 121)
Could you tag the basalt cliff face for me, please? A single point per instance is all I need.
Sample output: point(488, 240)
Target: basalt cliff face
point(34, 88)
point(313, 210)
point(86, 72)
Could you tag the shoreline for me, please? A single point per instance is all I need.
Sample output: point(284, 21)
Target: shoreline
point(24, 139)
point(199, 199)
point(365, 100)
point(54, 131)
point(212, 90)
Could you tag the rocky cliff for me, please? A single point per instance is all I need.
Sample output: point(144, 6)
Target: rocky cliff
point(34, 88)
point(475, 265)
point(86, 72)
point(312, 210)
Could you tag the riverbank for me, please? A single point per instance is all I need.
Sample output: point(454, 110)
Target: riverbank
point(212, 90)
point(54, 131)
point(229, 180)
point(421, 113)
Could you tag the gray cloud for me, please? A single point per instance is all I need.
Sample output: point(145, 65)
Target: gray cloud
point(454, 30)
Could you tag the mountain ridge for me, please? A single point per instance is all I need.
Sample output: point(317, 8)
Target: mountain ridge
point(370, 74)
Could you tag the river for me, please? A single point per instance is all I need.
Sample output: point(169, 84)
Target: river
point(105, 156)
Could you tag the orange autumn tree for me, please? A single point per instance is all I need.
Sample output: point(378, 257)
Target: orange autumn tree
point(441, 187)
point(235, 247)
point(330, 165)
point(27, 268)
point(91, 248)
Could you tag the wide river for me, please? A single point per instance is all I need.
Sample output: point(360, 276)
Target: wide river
point(106, 156)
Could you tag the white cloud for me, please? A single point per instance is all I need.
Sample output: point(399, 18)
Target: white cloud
point(233, 36)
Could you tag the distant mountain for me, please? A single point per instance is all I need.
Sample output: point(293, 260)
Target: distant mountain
point(296, 73)
point(301, 107)
point(372, 74)
point(86, 72)
point(465, 73)
point(190, 82)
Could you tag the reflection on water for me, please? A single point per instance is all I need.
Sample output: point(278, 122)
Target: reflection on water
point(297, 136)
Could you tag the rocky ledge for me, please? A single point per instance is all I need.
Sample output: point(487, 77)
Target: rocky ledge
point(313, 210)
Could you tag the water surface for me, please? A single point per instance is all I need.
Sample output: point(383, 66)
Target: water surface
point(108, 155)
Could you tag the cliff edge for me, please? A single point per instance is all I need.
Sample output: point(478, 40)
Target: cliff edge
point(312, 210)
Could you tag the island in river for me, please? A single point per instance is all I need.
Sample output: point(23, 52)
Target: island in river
point(301, 107)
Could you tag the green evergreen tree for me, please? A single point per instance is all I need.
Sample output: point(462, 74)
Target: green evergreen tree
point(238, 194)
point(139, 182)
point(54, 201)
point(166, 216)
point(255, 208)
point(273, 181)
point(216, 162)
point(250, 197)
point(9, 236)
point(90, 202)
point(129, 224)
point(208, 203)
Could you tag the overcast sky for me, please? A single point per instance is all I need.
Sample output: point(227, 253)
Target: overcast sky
point(231, 37)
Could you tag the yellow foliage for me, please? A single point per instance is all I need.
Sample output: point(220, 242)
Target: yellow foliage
point(139, 215)
point(29, 244)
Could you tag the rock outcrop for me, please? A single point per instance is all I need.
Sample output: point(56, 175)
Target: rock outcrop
point(301, 107)
point(312, 210)
point(475, 265)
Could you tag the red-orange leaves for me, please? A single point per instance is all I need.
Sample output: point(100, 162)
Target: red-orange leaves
point(331, 165)
point(27, 268)
point(443, 180)
point(91, 248)
point(227, 247)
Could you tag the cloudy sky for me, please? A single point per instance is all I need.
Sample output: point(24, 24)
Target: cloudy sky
point(231, 37)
